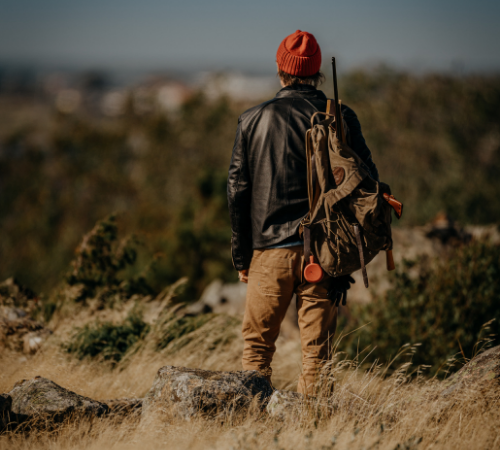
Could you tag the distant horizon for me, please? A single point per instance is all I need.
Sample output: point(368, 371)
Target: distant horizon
point(223, 35)
point(252, 69)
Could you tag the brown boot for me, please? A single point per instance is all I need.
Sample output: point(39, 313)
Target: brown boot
point(266, 373)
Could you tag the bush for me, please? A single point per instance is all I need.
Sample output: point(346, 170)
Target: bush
point(443, 308)
point(101, 262)
point(107, 341)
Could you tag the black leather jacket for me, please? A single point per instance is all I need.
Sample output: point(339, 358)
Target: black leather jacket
point(267, 183)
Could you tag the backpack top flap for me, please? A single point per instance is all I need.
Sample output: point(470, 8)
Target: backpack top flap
point(332, 156)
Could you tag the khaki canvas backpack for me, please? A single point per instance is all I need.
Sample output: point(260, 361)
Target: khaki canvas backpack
point(342, 196)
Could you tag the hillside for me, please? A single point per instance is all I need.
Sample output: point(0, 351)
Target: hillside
point(435, 140)
point(115, 256)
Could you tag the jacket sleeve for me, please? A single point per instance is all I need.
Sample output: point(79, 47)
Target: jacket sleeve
point(357, 141)
point(239, 201)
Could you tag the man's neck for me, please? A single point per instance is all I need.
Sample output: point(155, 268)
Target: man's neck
point(299, 86)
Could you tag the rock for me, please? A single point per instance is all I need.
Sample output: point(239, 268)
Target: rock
point(21, 333)
point(227, 298)
point(194, 309)
point(188, 392)
point(18, 330)
point(481, 372)
point(124, 406)
point(33, 340)
point(292, 405)
point(282, 404)
point(12, 313)
point(5, 403)
point(42, 398)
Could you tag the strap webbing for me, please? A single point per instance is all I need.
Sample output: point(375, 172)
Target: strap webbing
point(307, 230)
point(313, 171)
point(361, 256)
point(307, 243)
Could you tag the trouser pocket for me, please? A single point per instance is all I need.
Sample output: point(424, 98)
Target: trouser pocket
point(275, 273)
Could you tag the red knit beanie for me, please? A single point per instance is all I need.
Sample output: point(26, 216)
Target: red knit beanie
point(299, 54)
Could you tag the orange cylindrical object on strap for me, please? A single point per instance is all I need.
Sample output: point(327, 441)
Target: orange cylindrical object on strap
point(313, 272)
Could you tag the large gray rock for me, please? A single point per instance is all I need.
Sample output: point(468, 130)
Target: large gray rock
point(481, 372)
point(42, 398)
point(188, 392)
point(284, 404)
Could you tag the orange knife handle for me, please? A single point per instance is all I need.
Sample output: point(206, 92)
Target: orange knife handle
point(390, 260)
point(396, 205)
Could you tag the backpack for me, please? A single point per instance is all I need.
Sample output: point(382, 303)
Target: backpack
point(349, 220)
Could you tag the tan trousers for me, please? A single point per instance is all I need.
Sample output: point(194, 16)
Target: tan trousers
point(274, 276)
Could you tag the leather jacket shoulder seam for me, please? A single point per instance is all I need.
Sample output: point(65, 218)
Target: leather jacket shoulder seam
point(250, 113)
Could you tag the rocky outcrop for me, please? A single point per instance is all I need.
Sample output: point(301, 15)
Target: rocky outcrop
point(284, 404)
point(189, 392)
point(19, 332)
point(42, 398)
point(482, 372)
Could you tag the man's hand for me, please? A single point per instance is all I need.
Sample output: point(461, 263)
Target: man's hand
point(243, 275)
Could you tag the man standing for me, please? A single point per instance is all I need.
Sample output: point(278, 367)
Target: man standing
point(267, 195)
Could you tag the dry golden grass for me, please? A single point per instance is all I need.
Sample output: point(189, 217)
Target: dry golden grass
point(367, 410)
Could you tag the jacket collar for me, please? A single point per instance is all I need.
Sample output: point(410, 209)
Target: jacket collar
point(301, 91)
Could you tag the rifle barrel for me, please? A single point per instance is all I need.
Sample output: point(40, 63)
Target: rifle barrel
point(337, 103)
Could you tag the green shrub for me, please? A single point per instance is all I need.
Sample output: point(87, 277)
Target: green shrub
point(107, 341)
point(443, 308)
point(100, 263)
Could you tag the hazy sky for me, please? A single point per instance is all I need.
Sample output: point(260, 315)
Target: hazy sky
point(235, 34)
